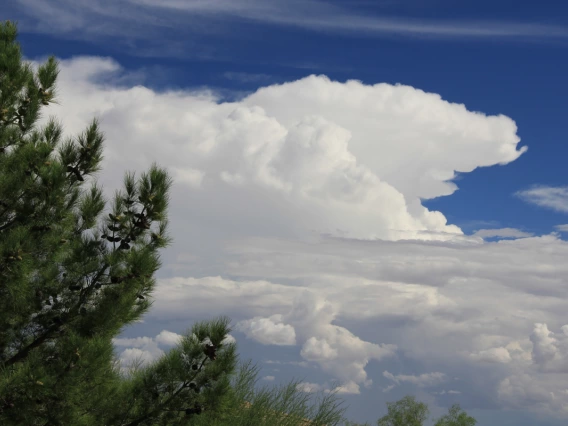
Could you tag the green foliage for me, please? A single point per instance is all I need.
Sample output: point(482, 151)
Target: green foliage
point(246, 404)
point(456, 417)
point(409, 412)
point(406, 412)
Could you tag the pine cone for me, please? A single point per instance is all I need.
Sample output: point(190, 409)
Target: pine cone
point(124, 246)
point(210, 351)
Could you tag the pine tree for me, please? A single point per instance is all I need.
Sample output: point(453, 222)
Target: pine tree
point(69, 283)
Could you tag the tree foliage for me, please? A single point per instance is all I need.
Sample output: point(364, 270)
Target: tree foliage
point(409, 412)
point(456, 417)
point(406, 412)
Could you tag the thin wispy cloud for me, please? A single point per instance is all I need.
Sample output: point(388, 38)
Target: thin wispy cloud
point(144, 18)
point(550, 197)
point(502, 233)
point(245, 77)
point(319, 15)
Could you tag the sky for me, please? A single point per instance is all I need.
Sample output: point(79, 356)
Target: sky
point(373, 191)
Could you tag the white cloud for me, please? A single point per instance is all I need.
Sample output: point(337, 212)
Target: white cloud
point(544, 345)
point(298, 363)
point(554, 198)
point(268, 331)
point(232, 178)
point(334, 348)
point(450, 392)
point(309, 143)
point(191, 177)
point(562, 228)
point(503, 233)
point(309, 387)
point(268, 378)
point(130, 356)
point(524, 390)
point(422, 380)
point(499, 355)
point(318, 350)
point(342, 253)
point(349, 388)
point(168, 338)
point(229, 339)
point(143, 349)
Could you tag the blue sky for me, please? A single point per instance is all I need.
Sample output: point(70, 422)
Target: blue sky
point(214, 55)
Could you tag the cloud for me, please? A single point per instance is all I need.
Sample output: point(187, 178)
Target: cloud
point(168, 338)
point(450, 392)
point(502, 233)
point(318, 350)
point(298, 363)
point(268, 331)
point(130, 356)
point(147, 349)
point(245, 77)
point(268, 378)
point(228, 340)
point(143, 349)
point(191, 177)
point(550, 197)
point(342, 251)
point(422, 380)
point(334, 348)
point(523, 390)
point(544, 345)
point(349, 388)
point(562, 228)
point(309, 387)
point(498, 355)
point(206, 17)
point(310, 155)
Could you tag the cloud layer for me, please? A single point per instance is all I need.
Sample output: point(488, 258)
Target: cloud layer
point(296, 211)
point(146, 17)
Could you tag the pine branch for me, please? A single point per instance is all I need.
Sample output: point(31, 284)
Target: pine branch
point(23, 353)
point(159, 408)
